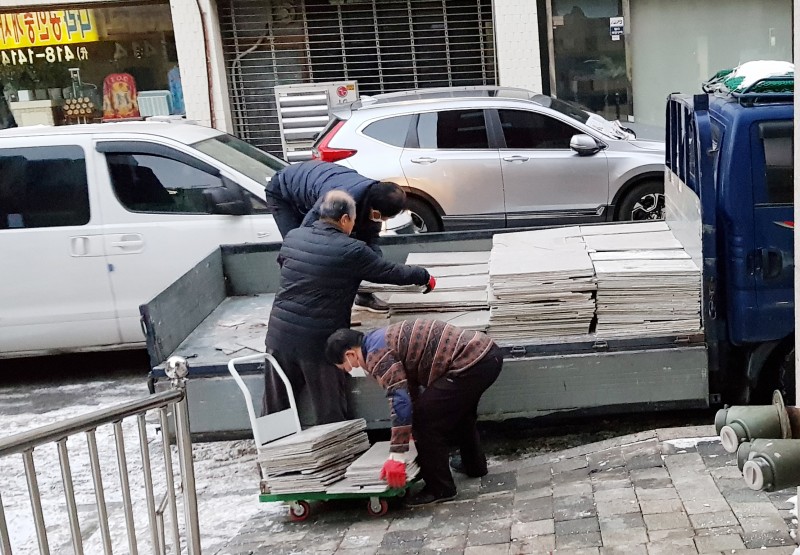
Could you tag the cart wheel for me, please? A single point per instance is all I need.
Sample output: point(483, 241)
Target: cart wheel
point(377, 506)
point(299, 511)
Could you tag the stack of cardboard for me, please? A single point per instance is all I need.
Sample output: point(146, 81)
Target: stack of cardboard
point(312, 459)
point(646, 282)
point(541, 284)
point(364, 475)
point(461, 282)
point(648, 295)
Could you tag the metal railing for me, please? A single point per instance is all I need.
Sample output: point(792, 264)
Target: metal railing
point(173, 414)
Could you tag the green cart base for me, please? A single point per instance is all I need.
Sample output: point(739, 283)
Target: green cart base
point(300, 509)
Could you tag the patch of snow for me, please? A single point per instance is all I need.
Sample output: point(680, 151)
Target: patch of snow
point(226, 474)
point(793, 501)
point(690, 442)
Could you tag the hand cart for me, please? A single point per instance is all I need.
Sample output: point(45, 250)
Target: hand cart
point(271, 427)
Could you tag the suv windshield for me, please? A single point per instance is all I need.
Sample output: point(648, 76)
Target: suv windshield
point(241, 156)
point(567, 108)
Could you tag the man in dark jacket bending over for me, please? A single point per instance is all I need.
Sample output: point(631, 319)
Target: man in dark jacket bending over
point(434, 375)
point(322, 268)
point(294, 195)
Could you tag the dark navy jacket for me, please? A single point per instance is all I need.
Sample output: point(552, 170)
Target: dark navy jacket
point(322, 268)
point(303, 185)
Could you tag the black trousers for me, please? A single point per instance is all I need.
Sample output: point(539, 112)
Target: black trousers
point(325, 385)
point(287, 217)
point(445, 415)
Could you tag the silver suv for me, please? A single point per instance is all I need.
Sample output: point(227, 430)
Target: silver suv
point(492, 157)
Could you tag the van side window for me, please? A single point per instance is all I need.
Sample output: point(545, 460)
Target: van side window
point(43, 187)
point(150, 183)
point(777, 141)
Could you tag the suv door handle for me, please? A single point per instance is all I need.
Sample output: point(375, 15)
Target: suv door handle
point(423, 160)
point(516, 158)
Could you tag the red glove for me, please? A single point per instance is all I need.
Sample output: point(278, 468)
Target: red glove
point(394, 472)
point(430, 286)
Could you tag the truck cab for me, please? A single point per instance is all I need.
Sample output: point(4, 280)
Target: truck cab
point(735, 151)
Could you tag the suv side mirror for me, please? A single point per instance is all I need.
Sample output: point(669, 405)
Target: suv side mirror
point(585, 145)
point(221, 200)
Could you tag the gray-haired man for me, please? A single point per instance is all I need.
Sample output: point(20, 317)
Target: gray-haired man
point(321, 269)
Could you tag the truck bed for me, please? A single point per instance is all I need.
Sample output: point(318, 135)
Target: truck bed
point(234, 288)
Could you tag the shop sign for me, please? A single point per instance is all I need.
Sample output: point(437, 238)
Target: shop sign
point(617, 27)
point(28, 30)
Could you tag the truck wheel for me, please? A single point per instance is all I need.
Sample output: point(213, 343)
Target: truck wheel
point(644, 201)
point(786, 379)
point(424, 217)
point(778, 374)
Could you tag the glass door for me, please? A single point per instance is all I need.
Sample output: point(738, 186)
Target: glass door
point(588, 55)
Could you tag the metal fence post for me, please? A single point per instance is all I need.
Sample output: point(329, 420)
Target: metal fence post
point(177, 369)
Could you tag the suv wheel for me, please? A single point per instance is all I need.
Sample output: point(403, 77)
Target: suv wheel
point(643, 202)
point(424, 217)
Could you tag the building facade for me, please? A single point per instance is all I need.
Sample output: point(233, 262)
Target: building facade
point(619, 58)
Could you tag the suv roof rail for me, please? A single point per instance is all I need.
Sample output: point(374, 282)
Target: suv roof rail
point(443, 93)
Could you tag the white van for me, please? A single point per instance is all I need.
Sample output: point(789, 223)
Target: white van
point(97, 219)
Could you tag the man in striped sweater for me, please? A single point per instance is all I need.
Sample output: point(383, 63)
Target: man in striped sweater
point(434, 375)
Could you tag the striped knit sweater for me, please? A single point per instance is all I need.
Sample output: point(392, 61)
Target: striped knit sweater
point(413, 354)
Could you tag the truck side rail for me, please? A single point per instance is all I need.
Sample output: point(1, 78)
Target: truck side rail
point(691, 155)
point(175, 312)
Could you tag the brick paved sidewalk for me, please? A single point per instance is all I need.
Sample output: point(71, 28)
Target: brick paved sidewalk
point(649, 493)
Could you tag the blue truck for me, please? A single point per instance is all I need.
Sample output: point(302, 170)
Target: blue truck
point(734, 151)
point(728, 196)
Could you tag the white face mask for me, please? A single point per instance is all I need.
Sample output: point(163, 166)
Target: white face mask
point(358, 372)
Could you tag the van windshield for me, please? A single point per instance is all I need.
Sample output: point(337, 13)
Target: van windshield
point(241, 156)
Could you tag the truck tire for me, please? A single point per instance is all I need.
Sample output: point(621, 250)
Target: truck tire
point(423, 215)
point(778, 374)
point(786, 379)
point(644, 201)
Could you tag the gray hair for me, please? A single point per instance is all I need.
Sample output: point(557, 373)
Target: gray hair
point(336, 204)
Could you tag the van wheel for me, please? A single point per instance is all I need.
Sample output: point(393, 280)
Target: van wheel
point(424, 217)
point(643, 202)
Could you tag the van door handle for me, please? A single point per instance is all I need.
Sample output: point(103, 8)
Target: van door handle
point(423, 160)
point(262, 234)
point(129, 241)
point(79, 246)
point(516, 158)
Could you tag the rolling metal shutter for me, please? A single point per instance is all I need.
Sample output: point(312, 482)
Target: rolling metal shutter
point(386, 45)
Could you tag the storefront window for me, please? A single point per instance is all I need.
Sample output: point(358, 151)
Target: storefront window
point(87, 65)
point(588, 57)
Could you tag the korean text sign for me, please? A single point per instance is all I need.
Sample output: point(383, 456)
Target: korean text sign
point(32, 29)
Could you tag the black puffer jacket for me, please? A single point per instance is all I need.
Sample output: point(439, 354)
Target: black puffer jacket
point(322, 268)
point(303, 185)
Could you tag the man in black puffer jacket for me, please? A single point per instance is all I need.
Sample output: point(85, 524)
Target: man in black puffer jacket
point(295, 193)
point(322, 268)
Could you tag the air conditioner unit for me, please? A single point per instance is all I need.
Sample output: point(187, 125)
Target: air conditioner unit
point(305, 109)
point(154, 103)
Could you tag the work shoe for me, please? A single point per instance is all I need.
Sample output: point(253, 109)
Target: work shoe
point(458, 465)
point(427, 497)
point(368, 301)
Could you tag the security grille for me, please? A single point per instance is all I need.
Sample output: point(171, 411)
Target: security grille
point(385, 45)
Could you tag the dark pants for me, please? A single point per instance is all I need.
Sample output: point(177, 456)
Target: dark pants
point(446, 414)
point(287, 216)
point(324, 383)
